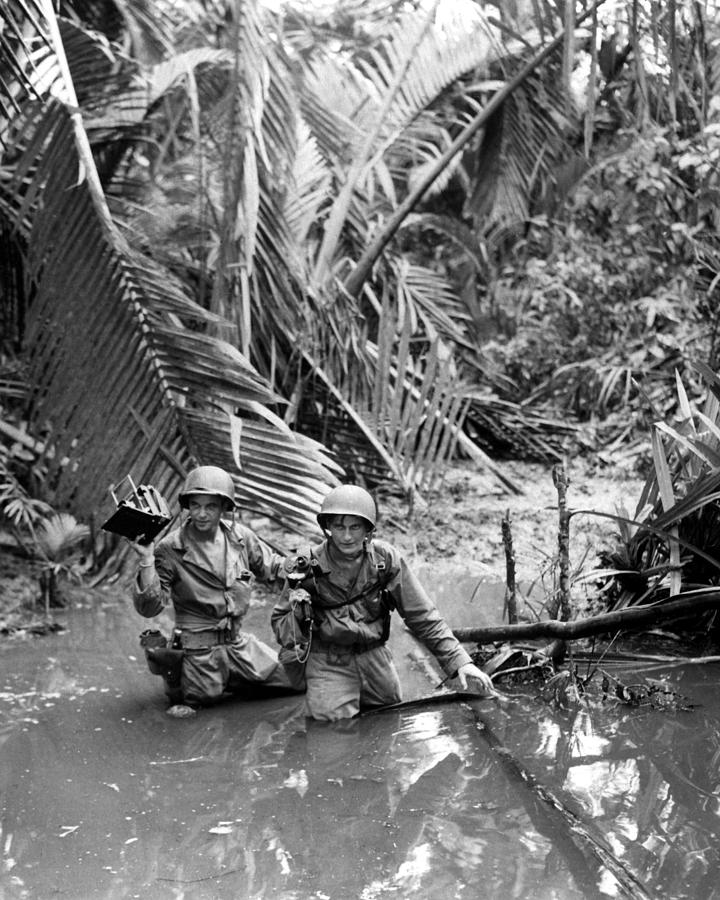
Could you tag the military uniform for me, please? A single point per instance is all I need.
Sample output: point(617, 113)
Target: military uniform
point(347, 625)
point(209, 606)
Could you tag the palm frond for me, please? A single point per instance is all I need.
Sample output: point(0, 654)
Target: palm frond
point(278, 474)
point(60, 534)
point(667, 496)
point(426, 298)
point(679, 505)
point(411, 407)
point(311, 187)
point(517, 156)
point(418, 406)
point(401, 78)
point(117, 377)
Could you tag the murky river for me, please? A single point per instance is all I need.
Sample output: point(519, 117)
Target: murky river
point(102, 795)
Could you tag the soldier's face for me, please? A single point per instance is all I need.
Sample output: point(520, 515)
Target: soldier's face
point(347, 534)
point(205, 512)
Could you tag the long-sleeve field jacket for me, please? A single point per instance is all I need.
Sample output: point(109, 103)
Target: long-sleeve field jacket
point(202, 598)
point(358, 616)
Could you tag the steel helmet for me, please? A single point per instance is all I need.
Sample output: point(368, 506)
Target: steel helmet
point(348, 500)
point(208, 480)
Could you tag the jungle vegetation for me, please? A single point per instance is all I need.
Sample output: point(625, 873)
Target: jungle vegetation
point(353, 240)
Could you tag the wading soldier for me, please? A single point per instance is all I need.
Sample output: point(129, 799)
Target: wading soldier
point(205, 569)
point(339, 619)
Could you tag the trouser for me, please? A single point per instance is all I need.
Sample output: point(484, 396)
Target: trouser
point(342, 682)
point(209, 672)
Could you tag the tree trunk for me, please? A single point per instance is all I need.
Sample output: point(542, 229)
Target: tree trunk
point(634, 618)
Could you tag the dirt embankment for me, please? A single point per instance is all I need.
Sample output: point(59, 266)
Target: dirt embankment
point(461, 522)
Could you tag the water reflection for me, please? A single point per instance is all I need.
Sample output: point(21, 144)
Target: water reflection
point(645, 781)
point(257, 802)
point(103, 796)
point(358, 815)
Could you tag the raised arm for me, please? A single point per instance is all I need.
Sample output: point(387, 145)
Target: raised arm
point(151, 591)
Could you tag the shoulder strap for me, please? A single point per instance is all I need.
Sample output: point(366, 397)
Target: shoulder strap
point(383, 569)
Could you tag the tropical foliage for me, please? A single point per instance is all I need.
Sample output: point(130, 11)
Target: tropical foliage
point(350, 244)
point(669, 544)
point(168, 235)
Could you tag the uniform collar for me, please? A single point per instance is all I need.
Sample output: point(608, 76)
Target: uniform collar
point(182, 540)
point(189, 549)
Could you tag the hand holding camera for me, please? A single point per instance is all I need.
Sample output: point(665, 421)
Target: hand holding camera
point(301, 605)
point(146, 552)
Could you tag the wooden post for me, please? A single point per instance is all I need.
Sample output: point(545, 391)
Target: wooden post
point(510, 590)
point(561, 482)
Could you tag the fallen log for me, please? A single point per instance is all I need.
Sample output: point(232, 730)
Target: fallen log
point(629, 619)
point(573, 834)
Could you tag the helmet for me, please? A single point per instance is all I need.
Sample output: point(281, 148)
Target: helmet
point(208, 480)
point(348, 500)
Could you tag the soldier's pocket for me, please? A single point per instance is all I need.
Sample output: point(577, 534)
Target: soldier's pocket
point(293, 661)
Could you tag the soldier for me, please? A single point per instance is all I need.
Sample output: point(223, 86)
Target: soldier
point(338, 622)
point(205, 569)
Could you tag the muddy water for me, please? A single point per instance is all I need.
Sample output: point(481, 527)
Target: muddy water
point(104, 796)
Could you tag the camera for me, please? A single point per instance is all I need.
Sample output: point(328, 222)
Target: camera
point(142, 514)
point(297, 569)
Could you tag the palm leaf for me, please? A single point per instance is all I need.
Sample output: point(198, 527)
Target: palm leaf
point(429, 301)
point(418, 405)
point(277, 270)
point(59, 534)
point(119, 381)
point(368, 434)
point(354, 282)
point(667, 497)
point(455, 231)
point(404, 76)
point(687, 491)
point(699, 450)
